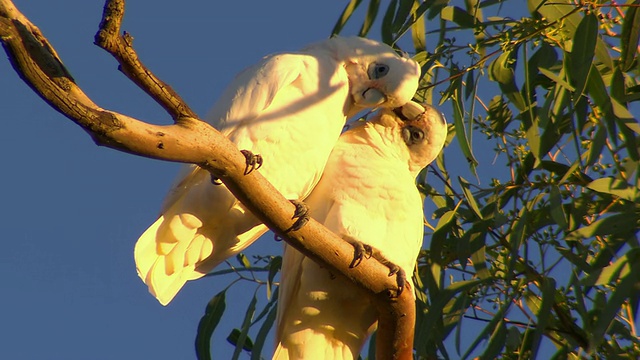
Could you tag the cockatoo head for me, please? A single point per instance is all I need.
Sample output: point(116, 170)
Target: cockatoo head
point(378, 76)
point(422, 128)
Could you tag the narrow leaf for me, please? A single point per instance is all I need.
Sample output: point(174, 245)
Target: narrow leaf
point(266, 308)
point(497, 341)
point(387, 22)
point(551, 75)
point(479, 260)
point(465, 185)
point(370, 17)
point(630, 36)
point(208, 323)
point(596, 146)
point(470, 85)
point(344, 17)
point(242, 341)
point(418, 31)
point(518, 231)
point(582, 52)
point(499, 115)
point(242, 259)
point(602, 54)
point(626, 288)
point(497, 318)
point(599, 94)
point(459, 16)
point(501, 70)
point(609, 185)
point(533, 138)
point(548, 288)
point(437, 307)
point(402, 14)
point(274, 267)
point(557, 211)
point(556, 10)
point(615, 224)
point(611, 273)
point(262, 334)
point(234, 338)
point(461, 134)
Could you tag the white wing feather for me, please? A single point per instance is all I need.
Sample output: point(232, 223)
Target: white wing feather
point(201, 224)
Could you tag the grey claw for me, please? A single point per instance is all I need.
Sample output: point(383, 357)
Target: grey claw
point(401, 278)
point(360, 251)
point(301, 214)
point(253, 162)
point(215, 181)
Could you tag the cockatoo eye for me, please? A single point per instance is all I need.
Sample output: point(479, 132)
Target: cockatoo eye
point(376, 71)
point(412, 135)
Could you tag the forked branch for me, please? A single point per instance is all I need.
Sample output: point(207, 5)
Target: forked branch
point(190, 140)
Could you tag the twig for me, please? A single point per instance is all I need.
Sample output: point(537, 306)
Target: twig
point(121, 47)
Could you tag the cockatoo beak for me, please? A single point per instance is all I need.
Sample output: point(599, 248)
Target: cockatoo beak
point(372, 97)
point(412, 110)
point(409, 111)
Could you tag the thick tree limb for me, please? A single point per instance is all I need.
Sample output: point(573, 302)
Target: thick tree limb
point(191, 140)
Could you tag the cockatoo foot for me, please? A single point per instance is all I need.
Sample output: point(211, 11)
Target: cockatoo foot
point(401, 278)
point(253, 161)
point(301, 214)
point(360, 250)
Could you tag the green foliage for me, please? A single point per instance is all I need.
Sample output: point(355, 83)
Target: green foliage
point(263, 322)
point(541, 251)
point(208, 323)
point(538, 253)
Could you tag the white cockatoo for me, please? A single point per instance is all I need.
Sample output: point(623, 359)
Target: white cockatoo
point(367, 193)
point(289, 109)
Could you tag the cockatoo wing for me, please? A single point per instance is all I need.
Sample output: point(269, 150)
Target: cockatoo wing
point(253, 90)
point(200, 221)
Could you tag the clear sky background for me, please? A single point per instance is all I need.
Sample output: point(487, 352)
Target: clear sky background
point(71, 211)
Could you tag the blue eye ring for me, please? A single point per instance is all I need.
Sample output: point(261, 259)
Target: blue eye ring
point(377, 71)
point(381, 70)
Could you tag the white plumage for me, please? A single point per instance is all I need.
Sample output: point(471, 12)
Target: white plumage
point(290, 109)
point(368, 193)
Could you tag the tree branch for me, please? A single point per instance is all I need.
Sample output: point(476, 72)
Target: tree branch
point(121, 47)
point(190, 140)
